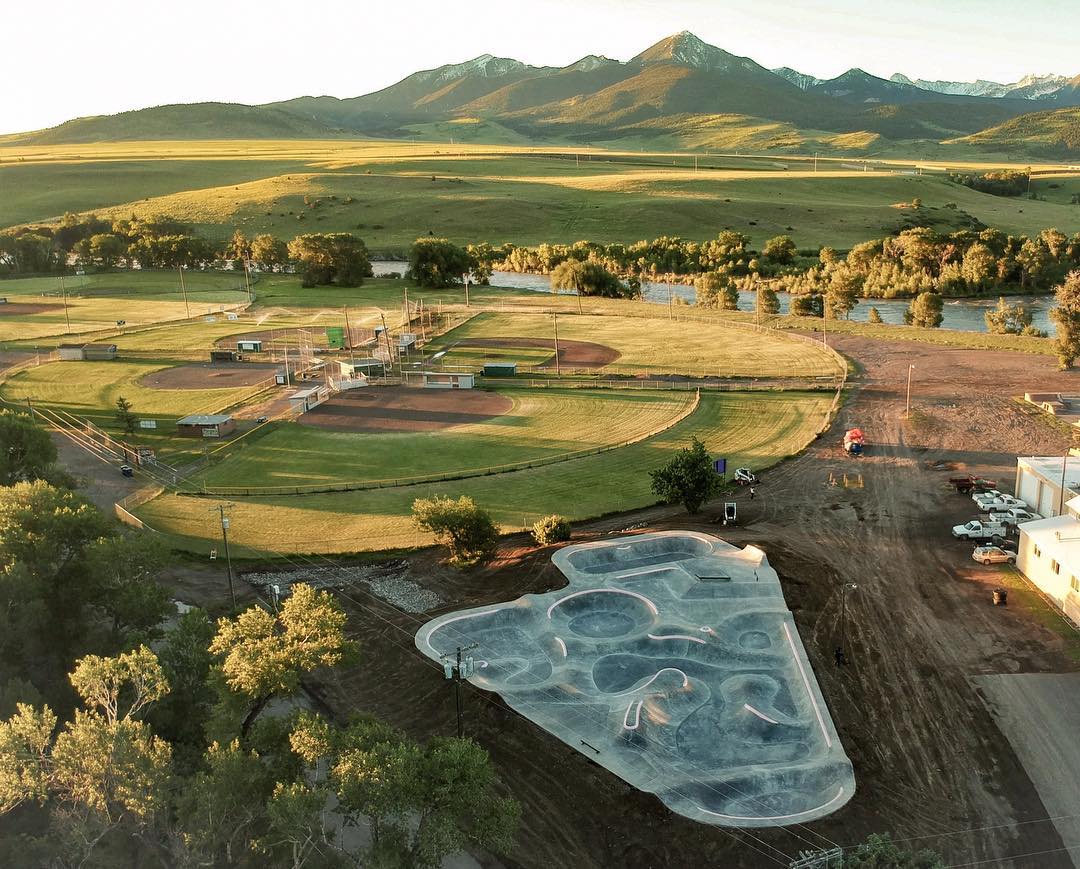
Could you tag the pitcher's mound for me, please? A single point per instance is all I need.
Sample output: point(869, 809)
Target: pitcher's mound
point(403, 409)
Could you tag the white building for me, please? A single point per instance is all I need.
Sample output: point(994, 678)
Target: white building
point(449, 380)
point(1049, 556)
point(1038, 482)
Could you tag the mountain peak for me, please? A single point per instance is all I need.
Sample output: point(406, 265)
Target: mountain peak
point(485, 66)
point(686, 49)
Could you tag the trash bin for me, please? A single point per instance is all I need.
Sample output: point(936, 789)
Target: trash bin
point(1001, 597)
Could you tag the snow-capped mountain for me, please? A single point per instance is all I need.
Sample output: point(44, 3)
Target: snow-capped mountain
point(484, 66)
point(1031, 87)
point(800, 79)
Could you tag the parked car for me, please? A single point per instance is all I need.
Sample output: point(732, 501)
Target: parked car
point(993, 555)
point(261, 419)
point(1000, 503)
point(979, 529)
point(1014, 516)
point(127, 470)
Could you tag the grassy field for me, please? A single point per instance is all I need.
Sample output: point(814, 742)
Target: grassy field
point(654, 344)
point(390, 193)
point(542, 424)
point(90, 390)
point(97, 301)
point(749, 429)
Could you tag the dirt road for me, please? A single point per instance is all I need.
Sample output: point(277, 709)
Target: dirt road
point(930, 762)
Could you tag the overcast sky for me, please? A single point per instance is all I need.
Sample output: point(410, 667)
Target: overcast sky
point(68, 58)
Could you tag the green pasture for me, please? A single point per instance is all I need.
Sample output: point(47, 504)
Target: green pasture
point(656, 344)
point(542, 424)
point(749, 429)
point(390, 193)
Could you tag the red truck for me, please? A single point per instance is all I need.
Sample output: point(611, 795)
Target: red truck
point(969, 483)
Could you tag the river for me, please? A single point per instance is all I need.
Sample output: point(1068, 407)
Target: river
point(965, 315)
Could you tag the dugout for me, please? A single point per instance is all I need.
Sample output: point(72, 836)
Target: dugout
point(449, 380)
point(499, 369)
point(249, 345)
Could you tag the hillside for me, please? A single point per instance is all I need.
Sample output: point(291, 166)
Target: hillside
point(190, 121)
point(1055, 132)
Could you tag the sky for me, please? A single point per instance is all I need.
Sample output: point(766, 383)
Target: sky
point(70, 58)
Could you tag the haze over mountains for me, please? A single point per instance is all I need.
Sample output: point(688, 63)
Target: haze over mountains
point(680, 92)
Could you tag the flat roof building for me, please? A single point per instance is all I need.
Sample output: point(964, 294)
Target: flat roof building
point(206, 425)
point(1039, 482)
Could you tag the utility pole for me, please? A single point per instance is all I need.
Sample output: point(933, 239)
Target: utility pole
point(247, 280)
point(183, 289)
point(670, 305)
point(389, 349)
point(907, 411)
point(348, 332)
point(457, 669)
point(465, 277)
point(815, 161)
point(228, 558)
point(555, 321)
point(63, 291)
point(288, 376)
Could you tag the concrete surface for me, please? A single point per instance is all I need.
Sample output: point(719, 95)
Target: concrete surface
point(672, 660)
point(1039, 713)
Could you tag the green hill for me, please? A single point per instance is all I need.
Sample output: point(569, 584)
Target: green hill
point(189, 121)
point(1055, 132)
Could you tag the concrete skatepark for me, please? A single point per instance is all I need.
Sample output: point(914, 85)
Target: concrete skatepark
point(672, 660)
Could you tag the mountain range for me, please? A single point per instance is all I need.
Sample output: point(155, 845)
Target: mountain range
point(680, 92)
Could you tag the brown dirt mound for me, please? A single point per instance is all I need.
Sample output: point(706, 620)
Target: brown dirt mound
point(18, 308)
point(403, 409)
point(574, 354)
point(220, 376)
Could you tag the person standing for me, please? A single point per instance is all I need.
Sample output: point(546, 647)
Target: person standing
point(752, 493)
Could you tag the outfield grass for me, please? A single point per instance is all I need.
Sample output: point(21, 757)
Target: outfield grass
point(656, 344)
point(90, 390)
point(390, 193)
point(98, 301)
point(542, 424)
point(749, 429)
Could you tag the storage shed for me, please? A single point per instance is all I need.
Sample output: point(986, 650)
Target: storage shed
point(205, 425)
point(224, 356)
point(249, 345)
point(93, 352)
point(367, 367)
point(449, 380)
point(499, 369)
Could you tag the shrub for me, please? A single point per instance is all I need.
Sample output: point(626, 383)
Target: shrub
point(551, 529)
point(465, 529)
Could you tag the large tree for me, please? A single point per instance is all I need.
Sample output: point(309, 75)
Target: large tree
point(264, 655)
point(26, 450)
point(717, 290)
point(925, 311)
point(1066, 317)
point(779, 250)
point(466, 529)
point(337, 258)
point(268, 252)
point(437, 262)
point(587, 279)
point(688, 478)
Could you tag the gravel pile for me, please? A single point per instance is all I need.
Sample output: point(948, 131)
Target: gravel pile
point(386, 581)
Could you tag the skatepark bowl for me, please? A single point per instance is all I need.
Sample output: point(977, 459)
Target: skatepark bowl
point(672, 660)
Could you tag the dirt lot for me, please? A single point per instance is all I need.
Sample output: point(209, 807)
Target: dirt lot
point(930, 762)
point(220, 375)
point(388, 409)
point(572, 354)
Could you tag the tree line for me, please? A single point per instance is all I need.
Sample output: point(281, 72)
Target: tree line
point(131, 737)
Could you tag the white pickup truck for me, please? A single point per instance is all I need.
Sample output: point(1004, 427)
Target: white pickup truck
point(980, 529)
point(1013, 516)
point(998, 502)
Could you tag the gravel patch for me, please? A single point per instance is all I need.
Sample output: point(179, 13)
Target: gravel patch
point(386, 580)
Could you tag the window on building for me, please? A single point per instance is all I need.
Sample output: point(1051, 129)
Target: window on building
point(1038, 552)
point(1074, 583)
point(1054, 566)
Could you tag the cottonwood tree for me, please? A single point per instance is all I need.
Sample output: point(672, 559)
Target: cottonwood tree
point(26, 450)
point(925, 311)
point(1008, 319)
point(338, 258)
point(842, 295)
point(587, 279)
point(125, 571)
point(437, 262)
point(464, 528)
point(779, 250)
point(105, 771)
point(264, 655)
point(423, 802)
point(689, 478)
point(717, 290)
point(269, 252)
point(1066, 317)
point(766, 300)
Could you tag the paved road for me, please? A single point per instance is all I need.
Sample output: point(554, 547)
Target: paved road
point(1040, 715)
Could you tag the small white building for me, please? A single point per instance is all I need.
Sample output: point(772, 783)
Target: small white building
point(449, 380)
point(1049, 556)
point(1039, 482)
point(306, 399)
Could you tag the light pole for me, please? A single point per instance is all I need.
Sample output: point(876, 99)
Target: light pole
point(228, 558)
point(907, 411)
point(844, 586)
point(456, 669)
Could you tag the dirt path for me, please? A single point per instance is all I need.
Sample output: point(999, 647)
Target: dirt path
point(929, 759)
